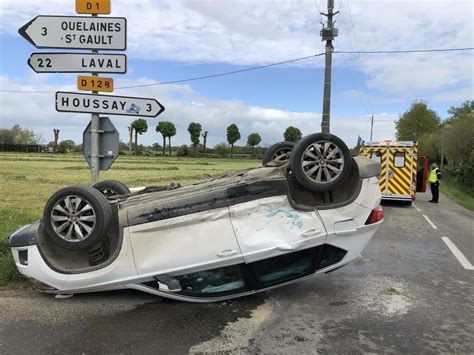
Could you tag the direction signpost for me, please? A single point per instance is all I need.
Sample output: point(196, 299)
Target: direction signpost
point(107, 104)
point(78, 63)
point(76, 32)
point(93, 33)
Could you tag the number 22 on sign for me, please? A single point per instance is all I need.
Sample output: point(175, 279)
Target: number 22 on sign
point(95, 83)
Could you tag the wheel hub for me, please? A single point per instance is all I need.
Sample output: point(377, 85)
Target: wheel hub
point(322, 162)
point(73, 218)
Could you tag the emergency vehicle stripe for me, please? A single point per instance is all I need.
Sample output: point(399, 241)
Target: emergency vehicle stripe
point(399, 181)
point(383, 170)
point(415, 170)
point(392, 190)
point(404, 172)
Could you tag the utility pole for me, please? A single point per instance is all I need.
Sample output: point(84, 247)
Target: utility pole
point(327, 34)
point(371, 127)
point(95, 127)
point(442, 148)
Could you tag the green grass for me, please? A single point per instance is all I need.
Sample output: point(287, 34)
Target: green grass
point(28, 180)
point(458, 194)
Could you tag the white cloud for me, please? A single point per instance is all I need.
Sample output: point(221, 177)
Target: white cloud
point(37, 112)
point(256, 32)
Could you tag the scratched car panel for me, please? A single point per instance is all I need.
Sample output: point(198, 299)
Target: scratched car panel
point(231, 236)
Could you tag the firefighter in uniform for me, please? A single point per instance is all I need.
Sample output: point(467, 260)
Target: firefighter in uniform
point(434, 179)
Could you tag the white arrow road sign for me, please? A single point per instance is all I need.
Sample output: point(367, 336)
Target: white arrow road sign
point(76, 32)
point(112, 105)
point(78, 63)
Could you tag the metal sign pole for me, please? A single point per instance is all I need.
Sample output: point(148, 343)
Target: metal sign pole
point(95, 126)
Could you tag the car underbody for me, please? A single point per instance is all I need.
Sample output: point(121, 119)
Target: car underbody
point(231, 236)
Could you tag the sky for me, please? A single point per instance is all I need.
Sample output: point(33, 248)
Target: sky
point(169, 40)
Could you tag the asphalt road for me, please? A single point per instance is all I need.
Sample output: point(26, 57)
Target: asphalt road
point(408, 294)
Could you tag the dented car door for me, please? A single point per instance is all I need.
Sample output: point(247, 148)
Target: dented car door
point(183, 244)
point(271, 226)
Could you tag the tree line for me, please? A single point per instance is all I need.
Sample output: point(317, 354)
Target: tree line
point(167, 130)
point(449, 142)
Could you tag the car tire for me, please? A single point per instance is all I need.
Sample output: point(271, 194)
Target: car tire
point(278, 153)
point(320, 161)
point(77, 217)
point(110, 188)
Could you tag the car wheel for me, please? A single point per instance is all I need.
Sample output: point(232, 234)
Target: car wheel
point(110, 188)
point(278, 153)
point(77, 217)
point(320, 161)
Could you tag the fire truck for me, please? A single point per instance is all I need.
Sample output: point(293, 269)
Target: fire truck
point(403, 171)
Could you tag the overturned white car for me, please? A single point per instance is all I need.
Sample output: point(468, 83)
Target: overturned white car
point(235, 235)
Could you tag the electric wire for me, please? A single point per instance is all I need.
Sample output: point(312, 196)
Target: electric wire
point(408, 51)
point(262, 67)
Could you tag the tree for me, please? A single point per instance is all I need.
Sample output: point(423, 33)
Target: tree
point(6, 136)
point(418, 121)
point(252, 140)
point(233, 135)
point(56, 138)
point(130, 138)
point(221, 149)
point(167, 130)
point(140, 126)
point(66, 146)
point(171, 133)
point(204, 138)
point(292, 134)
point(161, 128)
point(17, 135)
point(194, 130)
point(459, 138)
point(466, 108)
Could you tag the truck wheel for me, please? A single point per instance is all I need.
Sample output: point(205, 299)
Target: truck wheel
point(111, 188)
point(320, 161)
point(77, 217)
point(278, 153)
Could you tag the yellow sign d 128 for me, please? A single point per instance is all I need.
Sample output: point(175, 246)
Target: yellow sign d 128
point(95, 83)
point(93, 7)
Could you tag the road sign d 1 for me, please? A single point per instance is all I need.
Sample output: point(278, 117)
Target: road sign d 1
point(95, 83)
point(108, 143)
point(93, 7)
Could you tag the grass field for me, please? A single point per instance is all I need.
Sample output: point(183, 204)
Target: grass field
point(28, 180)
point(458, 194)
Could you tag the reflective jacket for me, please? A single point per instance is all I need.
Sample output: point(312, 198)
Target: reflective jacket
point(435, 176)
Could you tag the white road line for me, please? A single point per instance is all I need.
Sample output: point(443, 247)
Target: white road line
point(416, 207)
point(429, 221)
point(457, 253)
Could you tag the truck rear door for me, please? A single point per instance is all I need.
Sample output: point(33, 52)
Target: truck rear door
point(401, 164)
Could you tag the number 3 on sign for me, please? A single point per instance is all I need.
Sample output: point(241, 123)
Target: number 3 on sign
point(95, 83)
point(93, 6)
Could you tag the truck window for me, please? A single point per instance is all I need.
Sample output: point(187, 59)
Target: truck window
point(377, 156)
point(399, 160)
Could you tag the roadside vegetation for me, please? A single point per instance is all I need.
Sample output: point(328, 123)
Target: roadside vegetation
point(458, 193)
point(448, 142)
